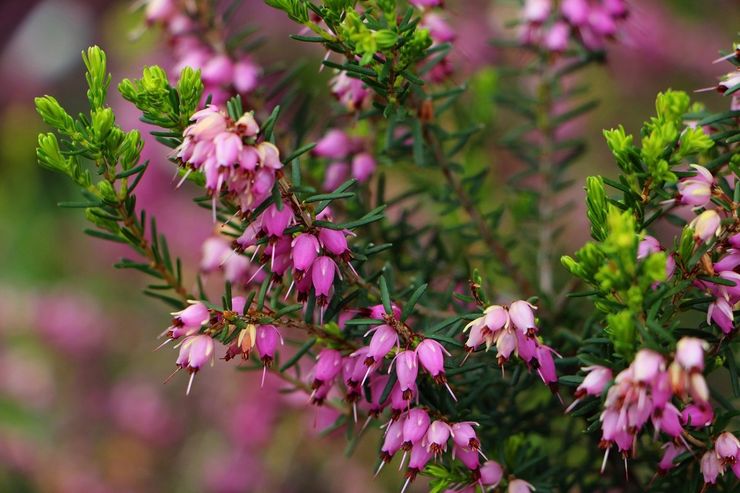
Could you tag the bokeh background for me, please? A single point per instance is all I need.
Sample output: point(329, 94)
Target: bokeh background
point(82, 404)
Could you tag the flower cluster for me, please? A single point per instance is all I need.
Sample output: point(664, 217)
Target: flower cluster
point(591, 22)
point(726, 453)
point(513, 330)
point(644, 392)
point(223, 74)
point(230, 156)
point(348, 158)
point(697, 191)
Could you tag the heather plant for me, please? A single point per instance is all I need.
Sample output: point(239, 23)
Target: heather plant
point(366, 259)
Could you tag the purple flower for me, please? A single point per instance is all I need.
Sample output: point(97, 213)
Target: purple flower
point(407, 370)
point(491, 473)
point(437, 436)
point(383, 340)
point(275, 221)
point(363, 166)
point(195, 352)
point(415, 427)
point(334, 241)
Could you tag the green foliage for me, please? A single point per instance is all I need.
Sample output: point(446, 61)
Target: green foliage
point(162, 104)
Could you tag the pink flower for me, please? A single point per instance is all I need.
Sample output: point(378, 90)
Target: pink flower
point(407, 370)
point(336, 174)
point(189, 320)
point(522, 315)
point(648, 245)
point(383, 340)
point(439, 30)
point(363, 166)
point(334, 145)
point(304, 250)
point(697, 415)
point(491, 473)
point(275, 221)
point(195, 351)
point(519, 486)
point(415, 427)
point(536, 11)
point(671, 452)
point(437, 436)
point(710, 467)
point(464, 435)
point(334, 241)
point(720, 312)
point(596, 381)
point(647, 365)
point(557, 37)
point(392, 441)
point(690, 354)
point(246, 75)
point(322, 276)
point(727, 447)
point(219, 70)
point(697, 190)
point(431, 357)
point(351, 92)
point(266, 342)
point(328, 366)
point(575, 11)
point(468, 457)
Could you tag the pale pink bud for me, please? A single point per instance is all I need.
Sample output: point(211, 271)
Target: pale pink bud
point(690, 353)
point(415, 426)
point(557, 37)
point(334, 241)
point(322, 275)
point(247, 125)
point(383, 340)
point(334, 145)
point(275, 221)
point(246, 75)
point(595, 382)
point(467, 456)
point(431, 357)
point(437, 436)
point(207, 126)
point(496, 318)
point(305, 249)
point(576, 11)
point(727, 447)
point(491, 473)
point(363, 166)
point(328, 366)
point(519, 486)
point(475, 338)
point(269, 155)
point(706, 225)
point(710, 467)
point(536, 11)
point(521, 314)
point(407, 370)
point(219, 71)
point(647, 365)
